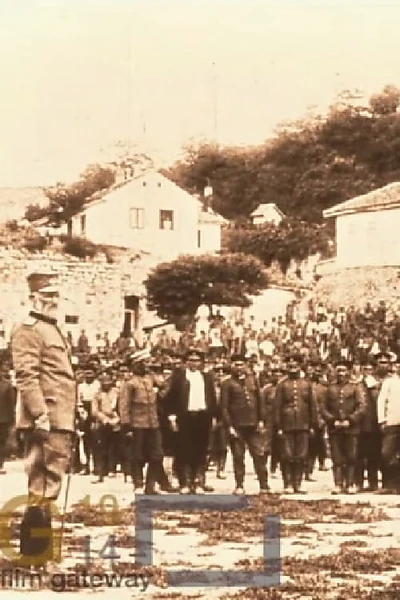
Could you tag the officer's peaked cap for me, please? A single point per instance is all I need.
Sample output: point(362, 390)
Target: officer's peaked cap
point(42, 280)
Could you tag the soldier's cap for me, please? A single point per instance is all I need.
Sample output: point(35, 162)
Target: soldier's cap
point(315, 362)
point(238, 358)
point(194, 354)
point(343, 363)
point(139, 356)
point(295, 356)
point(387, 356)
point(42, 280)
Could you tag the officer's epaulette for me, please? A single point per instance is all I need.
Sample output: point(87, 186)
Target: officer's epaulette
point(29, 321)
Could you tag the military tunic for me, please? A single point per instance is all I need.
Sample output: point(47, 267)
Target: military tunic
point(46, 386)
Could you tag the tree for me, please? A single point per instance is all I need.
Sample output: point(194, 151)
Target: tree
point(310, 165)
point(65, 201)
point(292, 239)
point(177, 288)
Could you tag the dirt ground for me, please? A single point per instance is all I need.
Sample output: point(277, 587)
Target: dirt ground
point(330, 547)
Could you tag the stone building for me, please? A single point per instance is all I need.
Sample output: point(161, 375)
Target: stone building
point(96, 296)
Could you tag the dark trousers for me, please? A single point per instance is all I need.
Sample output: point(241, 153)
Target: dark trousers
point(193, 438)
point(344, 451)
point(4, 431)
point(293, 454)
point(369, 458)
point(275, 452)
point(146, 447)
point(317, 449)
point(344, 448)
point(218, 447)
point(390, 455)
point(294, 447)
point(255, 442)
point(105, 449)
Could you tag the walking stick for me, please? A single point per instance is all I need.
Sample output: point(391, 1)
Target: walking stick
point(74, 439)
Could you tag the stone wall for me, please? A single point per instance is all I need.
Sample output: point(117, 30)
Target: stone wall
point(92, 290)
point(358, 285)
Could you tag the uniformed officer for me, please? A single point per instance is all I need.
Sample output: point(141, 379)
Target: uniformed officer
point(45, 411)
point(342, 408)
point(140, 423)
point(295, 419)
point(242, 412)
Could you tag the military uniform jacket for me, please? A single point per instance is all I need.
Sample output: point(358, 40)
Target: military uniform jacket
point(44, 374)
point(319, 390)
point(369, 418)
point(138, 406)
point(241, 402)
point(344, 402)
point(295, 407)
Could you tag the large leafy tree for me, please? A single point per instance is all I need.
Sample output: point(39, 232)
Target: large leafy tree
point(309, 165)
point(177, 288)
point(66, 200)
point(292, 239)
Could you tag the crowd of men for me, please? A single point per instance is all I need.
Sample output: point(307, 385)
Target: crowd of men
point(180, 411)
point(291, 392)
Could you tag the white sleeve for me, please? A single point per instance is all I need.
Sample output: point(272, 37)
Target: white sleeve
point(382, 401)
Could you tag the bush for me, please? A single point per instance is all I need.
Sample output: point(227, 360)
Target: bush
point(35, 211)
point(12, 225)
point(79, 247)
point(35, 243)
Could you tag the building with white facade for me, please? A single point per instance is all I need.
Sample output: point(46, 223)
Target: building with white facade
point(267, 213)
point(152, 214)
point(367, 228)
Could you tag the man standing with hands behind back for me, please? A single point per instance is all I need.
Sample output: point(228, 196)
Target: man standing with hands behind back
point(45, 411)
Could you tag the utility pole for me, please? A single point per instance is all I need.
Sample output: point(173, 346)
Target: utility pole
point(214, 94)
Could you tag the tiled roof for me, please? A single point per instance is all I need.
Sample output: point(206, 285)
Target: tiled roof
point(383, 198)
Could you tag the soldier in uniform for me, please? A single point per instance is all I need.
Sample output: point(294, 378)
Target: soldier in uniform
point(342, 410)
point(295, 420)
point(370, 442)
point(242, 412)
point(140, 426)
point(317, 449)
point(45, 412)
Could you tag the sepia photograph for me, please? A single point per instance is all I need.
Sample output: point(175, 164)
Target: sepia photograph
point(200, 299)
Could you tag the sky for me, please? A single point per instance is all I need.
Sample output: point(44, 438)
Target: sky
point(79, 76)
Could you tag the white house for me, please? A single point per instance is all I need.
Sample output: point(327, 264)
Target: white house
point(150, 213)
point(267, 213)
point(367, 228)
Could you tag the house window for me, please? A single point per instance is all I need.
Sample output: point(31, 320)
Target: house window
point(166, 219)
point(159, 184)
point(144, 184)
point(72, 319)
point(83, 224)
point(137, 218)
point(69, 227)
point(199, 238)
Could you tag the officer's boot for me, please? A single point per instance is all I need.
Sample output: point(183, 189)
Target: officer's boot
point(285, 466)
point(137, 475)
point(351, 488)
point(153, 471)
point(338, 480)
point(36, 539)
point(298, 469)
point(260, 467)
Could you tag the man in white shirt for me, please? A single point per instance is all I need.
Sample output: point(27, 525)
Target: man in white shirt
point(86, 392)
point(192, 406)
point(388, 408)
